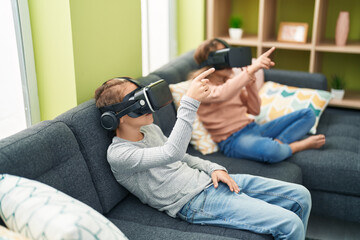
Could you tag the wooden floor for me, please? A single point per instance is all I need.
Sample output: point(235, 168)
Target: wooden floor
point(325, 228)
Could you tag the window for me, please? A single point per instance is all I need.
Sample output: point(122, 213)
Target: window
point(18, 99)
point(158, 33)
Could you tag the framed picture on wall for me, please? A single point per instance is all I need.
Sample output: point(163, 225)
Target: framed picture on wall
point(293, 32)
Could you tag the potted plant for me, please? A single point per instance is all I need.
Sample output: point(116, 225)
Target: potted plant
point(337, 87)
point(235, 27)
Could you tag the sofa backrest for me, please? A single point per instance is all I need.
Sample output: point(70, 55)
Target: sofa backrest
point(178, 69)
point(297, 78)
point(84, 121)
point(48, 152)
point(173, 72)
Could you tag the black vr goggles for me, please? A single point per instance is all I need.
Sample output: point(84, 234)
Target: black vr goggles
point(228, 58)
point(141, 101)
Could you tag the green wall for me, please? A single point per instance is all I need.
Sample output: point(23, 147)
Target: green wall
point(80, 44)
point(353, 7)
point(106, 42)
point(190, 24)
point(342, 64)
point(53, 52)
point(296, 11)
point(249, 12)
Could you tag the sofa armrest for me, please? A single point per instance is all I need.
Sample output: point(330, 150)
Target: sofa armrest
point(297, 78)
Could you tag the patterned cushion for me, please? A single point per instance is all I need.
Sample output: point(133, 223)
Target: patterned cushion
point(6, 234)
point(39, 211)
point(200, 138)
point(278, 100)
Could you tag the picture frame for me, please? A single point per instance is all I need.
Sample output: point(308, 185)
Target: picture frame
point(293, 32)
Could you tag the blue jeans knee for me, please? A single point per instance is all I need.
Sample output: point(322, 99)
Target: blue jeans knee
point(273, 152)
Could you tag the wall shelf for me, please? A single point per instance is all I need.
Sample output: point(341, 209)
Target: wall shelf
point(290, 46)
point(269, 13)
point(351, 100)
point(246, 40)
point(351, 47)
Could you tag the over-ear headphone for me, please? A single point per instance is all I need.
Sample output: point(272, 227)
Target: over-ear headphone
point(134, 81)
point(110, 119)
point(142, 100)
point(223, 42)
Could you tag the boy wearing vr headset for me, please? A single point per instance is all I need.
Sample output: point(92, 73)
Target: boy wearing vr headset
point(158, 171)
point(233, 96)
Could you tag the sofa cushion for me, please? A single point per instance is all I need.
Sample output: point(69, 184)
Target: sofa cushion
point(342, 206)
point(132, 210)
point(284, 171)
point(84, 121)
point(49, 153)
point(336, 166)
point(39, 211)
point(144, 232)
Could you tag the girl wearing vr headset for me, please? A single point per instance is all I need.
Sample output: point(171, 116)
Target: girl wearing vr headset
point(158, 171)
point(232, 97)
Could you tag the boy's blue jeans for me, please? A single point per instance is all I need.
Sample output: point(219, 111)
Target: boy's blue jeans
point(263, 205)
point(257, 142)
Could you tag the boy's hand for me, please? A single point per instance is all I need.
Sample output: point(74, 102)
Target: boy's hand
point(222, 176)
point(262, 62)
point(199, 88)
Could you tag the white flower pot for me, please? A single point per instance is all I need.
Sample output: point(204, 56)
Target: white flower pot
point(235, 33)
point(337, 94)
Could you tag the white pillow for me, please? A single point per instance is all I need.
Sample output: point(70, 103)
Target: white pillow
point(7, 234)
point(39, 211)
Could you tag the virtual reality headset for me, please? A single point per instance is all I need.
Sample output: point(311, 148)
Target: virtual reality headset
point(141, 101)
point(228, 58)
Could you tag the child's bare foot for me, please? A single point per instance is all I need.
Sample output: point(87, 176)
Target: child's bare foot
point(315, 141)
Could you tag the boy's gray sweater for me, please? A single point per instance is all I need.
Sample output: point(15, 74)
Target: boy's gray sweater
point(157, 170)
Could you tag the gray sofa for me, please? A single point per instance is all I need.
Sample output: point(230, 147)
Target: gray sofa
point(69, 153)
